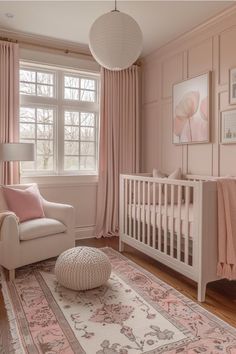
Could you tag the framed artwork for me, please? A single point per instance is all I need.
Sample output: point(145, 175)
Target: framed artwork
point(228, 127)
point(191, 110)
point(232, 86)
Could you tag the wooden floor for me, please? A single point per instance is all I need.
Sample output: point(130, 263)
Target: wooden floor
point(220, 299)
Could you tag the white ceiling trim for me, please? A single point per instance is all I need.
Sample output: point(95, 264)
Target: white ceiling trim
point(26, 40)
point(66, 24)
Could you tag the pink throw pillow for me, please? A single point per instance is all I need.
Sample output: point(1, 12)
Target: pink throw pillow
point(25, 203)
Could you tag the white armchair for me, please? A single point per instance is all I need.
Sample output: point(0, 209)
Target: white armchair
point(38, 239)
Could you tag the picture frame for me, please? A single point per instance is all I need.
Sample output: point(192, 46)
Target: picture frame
point(232, 86)
point(191, 110)
point(228, 127)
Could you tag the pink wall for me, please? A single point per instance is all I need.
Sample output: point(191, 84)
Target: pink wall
point(211, 46)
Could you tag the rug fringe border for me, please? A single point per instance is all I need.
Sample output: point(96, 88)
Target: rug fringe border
point(14, 331)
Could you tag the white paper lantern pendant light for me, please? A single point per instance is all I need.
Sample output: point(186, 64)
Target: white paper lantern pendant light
point(115, 40)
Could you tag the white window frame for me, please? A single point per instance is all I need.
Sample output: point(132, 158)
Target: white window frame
point(60, 105)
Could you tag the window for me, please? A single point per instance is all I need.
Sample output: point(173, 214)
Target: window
point(59, 114)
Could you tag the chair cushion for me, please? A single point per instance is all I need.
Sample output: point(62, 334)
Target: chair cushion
point(26, 203)
point(42, 227)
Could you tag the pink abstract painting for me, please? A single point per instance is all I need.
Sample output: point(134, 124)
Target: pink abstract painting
point(191, 111)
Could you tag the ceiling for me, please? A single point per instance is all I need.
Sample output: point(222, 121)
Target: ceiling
point(160, 21)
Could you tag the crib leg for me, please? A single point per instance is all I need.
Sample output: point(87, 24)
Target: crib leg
point(121, 245)
point(201, 294)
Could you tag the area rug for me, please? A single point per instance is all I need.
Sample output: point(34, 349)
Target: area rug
point(134, 312)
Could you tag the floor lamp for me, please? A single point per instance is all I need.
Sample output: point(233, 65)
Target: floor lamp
point(16, 152)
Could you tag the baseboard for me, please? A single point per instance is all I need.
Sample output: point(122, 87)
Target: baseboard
point(84, 232)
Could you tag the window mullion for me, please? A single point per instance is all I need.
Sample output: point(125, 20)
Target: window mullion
point(36, 138)
point(60, 125)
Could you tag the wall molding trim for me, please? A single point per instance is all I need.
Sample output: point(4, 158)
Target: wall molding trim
point(179, 43)
point(83, 232)
point(61, 181)
point(209, 47)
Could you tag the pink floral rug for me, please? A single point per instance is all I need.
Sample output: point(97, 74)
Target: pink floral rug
point(133, 313)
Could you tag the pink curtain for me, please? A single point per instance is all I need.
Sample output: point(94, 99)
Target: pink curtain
point(9, 106)
point(119, 142)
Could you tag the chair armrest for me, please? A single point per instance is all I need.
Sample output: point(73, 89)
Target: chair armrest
point(9, 232)
point(62, 212)
point(9, 242)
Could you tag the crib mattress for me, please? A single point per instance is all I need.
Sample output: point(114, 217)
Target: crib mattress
point(147, 213)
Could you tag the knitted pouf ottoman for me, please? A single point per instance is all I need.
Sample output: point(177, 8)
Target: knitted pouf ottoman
point(82, 268)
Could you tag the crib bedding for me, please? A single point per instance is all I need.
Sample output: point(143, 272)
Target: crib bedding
point(145, 211)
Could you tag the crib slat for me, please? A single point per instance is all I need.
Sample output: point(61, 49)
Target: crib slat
point(179, 223)
point(159, 215)
point(154, 214)
point(172, 222)
point(125, 208)
point(148, 216)
point(139, 210)
point(130, 208)
point(186, 226)
point(135, 209)
point(165, 219)
point(144, 216)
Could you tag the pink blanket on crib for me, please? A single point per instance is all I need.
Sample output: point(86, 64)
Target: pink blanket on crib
point(226, 189)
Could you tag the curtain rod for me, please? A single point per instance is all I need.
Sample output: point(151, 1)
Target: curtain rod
point(29, 43)
point(5, 39)
point(65, 51)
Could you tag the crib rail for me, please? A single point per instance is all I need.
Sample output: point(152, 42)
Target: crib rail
point(159, 216)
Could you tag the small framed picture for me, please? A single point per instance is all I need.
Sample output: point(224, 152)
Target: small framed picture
point(232, 86)
point(228, 127)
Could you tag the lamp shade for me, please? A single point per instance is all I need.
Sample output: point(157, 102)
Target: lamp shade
point(17, 152)
point(115, 40)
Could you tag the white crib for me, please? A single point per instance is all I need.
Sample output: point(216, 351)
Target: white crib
point(172, 221)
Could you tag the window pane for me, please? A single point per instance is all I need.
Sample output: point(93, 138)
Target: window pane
point(45, 147)
point(27, 131)
point(72, 118)
point(27, 114)
point(32, 141)
point(87, 163)
point(45, 162)
point(44, 131)
point(71, 81)
point(87, 84)
point(71, 163)
point(45, 91)
point(87, 119)
point(27, 89)
point(71, 133)
point(38, 118)
point(44, 115)
point(27, 165)
point(87, 133)
point(88, 96)
point(27, 75)
point(45, 78)
point(71, 94)
point(87, 148)
point(71, 148)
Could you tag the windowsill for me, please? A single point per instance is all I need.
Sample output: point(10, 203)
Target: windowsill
point(61, 179)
